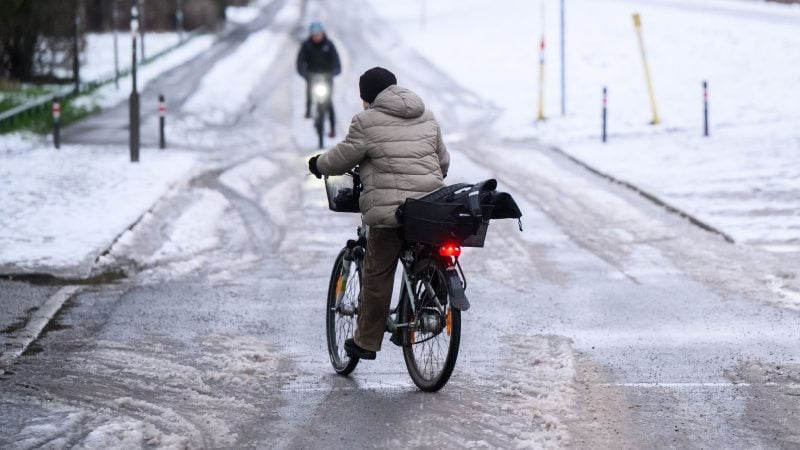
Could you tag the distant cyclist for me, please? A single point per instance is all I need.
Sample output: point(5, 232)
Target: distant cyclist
point(318, 55)
point(397, 144)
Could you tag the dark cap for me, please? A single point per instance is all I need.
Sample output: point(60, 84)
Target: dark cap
point(373, 81)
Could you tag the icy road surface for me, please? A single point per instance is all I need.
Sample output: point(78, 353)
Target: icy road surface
point(607, 323)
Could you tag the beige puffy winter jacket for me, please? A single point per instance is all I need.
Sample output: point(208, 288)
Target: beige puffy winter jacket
point(398, 145)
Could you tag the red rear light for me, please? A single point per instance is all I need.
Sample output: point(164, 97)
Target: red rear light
point(450, 250)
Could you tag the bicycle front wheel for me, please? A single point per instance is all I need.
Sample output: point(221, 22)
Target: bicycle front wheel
point(342, 310)
point(319, 124)
point(430, 347)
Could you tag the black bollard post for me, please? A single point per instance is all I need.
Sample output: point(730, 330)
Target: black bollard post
point(605, 112)
point(133, 103)
point(56, 123)
point(162, 113)
point(705, 108)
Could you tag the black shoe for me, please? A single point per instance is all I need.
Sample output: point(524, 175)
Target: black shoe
point(354, 351)
point(332, 134)
point(397, 338)
point(308, 114)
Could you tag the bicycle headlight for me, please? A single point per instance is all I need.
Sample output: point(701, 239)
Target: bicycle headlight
point(320, 90)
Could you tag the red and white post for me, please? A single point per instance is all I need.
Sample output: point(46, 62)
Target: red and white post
point(56, 123)
point(162, 114)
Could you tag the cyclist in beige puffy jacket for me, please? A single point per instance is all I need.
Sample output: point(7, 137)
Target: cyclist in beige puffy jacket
point(398, 147)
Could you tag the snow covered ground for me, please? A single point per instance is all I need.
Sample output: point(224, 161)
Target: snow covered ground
point(109, 95)
point(245, 14)
point(98, 55)
point(217, 101)
point(743, 179)
point(62, 208)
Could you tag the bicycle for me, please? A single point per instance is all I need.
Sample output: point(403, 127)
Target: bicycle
point(321, 97)
point(426, 320)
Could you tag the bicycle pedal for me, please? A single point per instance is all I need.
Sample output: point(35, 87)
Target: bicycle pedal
point(397, 338)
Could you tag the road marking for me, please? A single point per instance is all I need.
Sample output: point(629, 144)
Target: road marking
point(700, 384)
point(36, 324)
point(330, 389)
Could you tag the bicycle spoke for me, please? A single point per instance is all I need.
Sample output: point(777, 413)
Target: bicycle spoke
point(430, 354)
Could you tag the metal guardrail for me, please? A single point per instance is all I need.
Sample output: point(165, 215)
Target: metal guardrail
point(35, 103)
point(32, 108)
point(41, 104)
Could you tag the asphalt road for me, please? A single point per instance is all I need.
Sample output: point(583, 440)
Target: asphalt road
point(608, 322)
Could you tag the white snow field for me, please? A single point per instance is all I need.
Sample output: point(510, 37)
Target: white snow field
point(245, 14)
point(109, 95)
point(62, 208)
point(218, 100)
point(743, 179)
point(226, 89)
point(98, 55)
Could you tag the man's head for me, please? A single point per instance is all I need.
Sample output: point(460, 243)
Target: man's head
point(317, 32)
point(373, 81)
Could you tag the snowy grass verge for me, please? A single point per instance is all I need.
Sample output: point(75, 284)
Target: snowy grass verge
point(61, 209)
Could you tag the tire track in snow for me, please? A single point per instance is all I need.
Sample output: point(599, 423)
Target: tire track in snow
point(151, 395)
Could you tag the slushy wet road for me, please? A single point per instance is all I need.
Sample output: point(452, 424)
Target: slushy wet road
point(607, 322)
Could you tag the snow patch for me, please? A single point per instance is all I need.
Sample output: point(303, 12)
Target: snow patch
point(108, 95)
point(789, 296)
point(539, 386)
point(247, 178)
point(279, 199)
point(226, 89)
point(241, 14)
point(195, 239)
point(42, 189)
point(98, 55)
point(20, 142)
point(238, 360)
point(131, 434)
point(194, 231)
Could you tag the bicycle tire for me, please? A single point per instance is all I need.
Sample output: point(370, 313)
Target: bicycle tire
point(338, 328)
point(319, 124)
point(425, 375)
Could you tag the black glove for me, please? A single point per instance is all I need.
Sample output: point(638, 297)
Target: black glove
point(312, 166)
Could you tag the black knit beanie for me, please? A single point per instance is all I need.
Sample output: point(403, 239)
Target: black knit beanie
point(373, 81)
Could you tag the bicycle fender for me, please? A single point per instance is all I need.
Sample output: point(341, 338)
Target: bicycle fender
point(456, 290)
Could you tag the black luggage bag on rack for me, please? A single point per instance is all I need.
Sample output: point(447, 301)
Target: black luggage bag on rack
point(458, 214)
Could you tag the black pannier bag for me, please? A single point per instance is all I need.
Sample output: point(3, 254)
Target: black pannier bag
point(457, 214)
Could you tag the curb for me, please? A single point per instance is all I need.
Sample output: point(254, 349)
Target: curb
point(36, 324)
point(647, 195)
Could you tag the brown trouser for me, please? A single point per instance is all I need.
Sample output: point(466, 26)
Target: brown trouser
point(383, 249)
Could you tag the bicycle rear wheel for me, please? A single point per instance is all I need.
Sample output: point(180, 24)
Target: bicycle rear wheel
point(430, 347)
point(342, 310)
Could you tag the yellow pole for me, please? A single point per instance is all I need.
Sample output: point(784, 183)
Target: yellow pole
point(540, 116)
point(637, 23)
